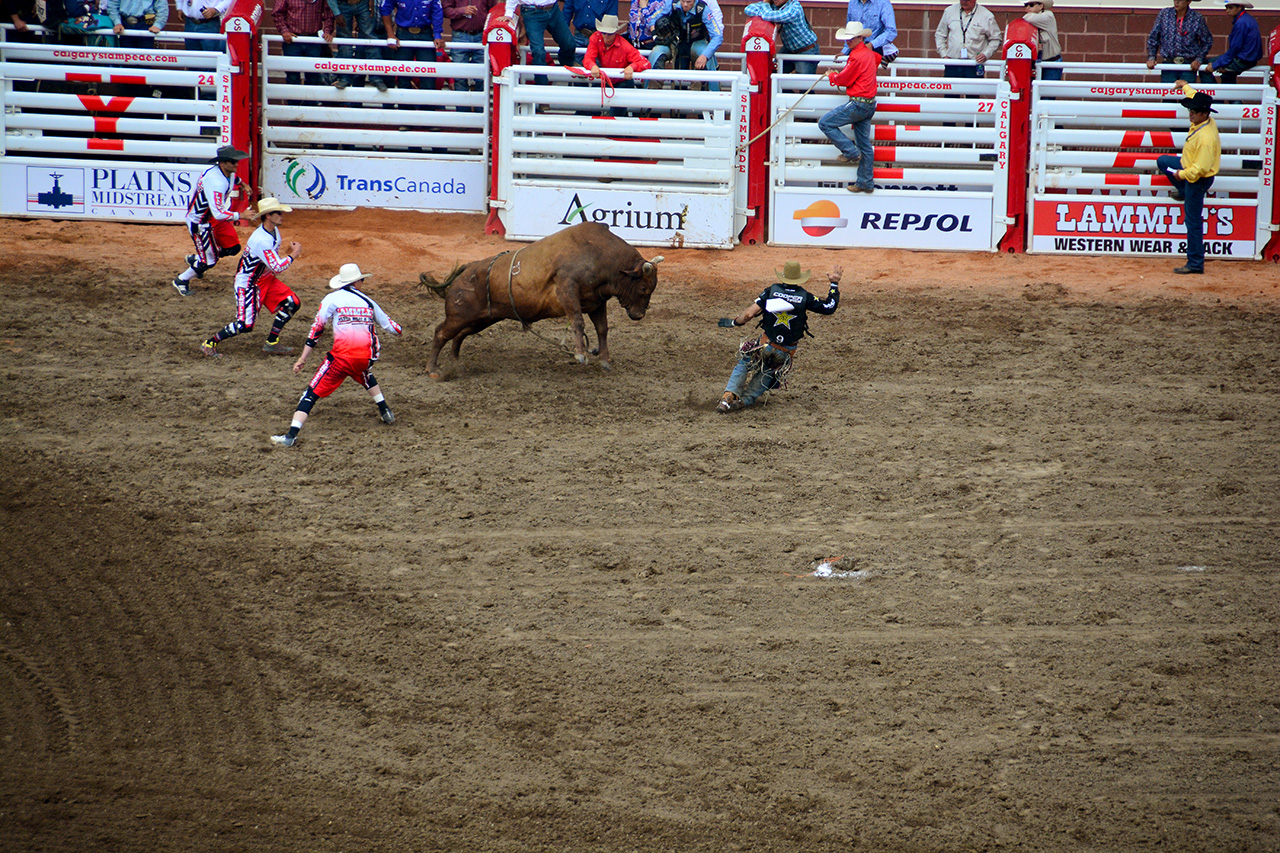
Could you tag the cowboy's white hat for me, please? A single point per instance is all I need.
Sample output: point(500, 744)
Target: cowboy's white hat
point(349, 274)
point(609, 24)
point(1237, 3)
point(272, 205)
point(852, 30)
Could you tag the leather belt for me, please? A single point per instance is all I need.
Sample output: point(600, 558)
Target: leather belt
point(808, 46)
point(862, 100)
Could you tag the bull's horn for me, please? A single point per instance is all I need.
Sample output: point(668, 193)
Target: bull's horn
point(657, 260)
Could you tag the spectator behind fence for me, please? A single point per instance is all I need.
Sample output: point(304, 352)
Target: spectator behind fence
point(877, 16)
point(1039, 14)
point(583, 14)
point(1180, 36)
point(354, 19)
point(295, 18)
point(149, 15)
point(858, 79)
point(967, 31)
point(541, 17)
point(78, 22)
point(794, 33)
point(23, 15)
point(1244, 45)
point(466, 21)
point(1192, 173)
point(642, 16)
point(608, 50)
point(685, 28)
point(414, 20)
point(202, 16)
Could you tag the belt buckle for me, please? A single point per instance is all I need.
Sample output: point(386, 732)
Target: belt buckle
point(414, 30)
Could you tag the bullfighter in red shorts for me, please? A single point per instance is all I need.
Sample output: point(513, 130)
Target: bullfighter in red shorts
point(210, 218)
point(355, 348)
point(257, 285)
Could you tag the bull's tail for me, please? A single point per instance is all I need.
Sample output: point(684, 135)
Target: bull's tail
point(439, 288)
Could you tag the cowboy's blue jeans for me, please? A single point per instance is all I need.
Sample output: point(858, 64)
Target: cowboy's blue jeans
point(751, 377)
point(1193, 193)
point(859, 115)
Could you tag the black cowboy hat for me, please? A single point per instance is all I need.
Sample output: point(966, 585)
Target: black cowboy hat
point(229, 154)
point(1200, 102)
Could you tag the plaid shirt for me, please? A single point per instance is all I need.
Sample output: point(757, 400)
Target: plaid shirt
point(302, 17)
point(793, 30)
point(1189, 38)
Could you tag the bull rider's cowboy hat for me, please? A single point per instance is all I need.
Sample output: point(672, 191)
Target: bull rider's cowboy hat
point(229, 154)
point(1200, 102)
point(349, 274)
point(609, 24)
point(852, 30)
point(792, 274)
point(272, 205)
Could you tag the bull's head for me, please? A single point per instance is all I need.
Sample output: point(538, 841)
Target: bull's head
point(643, 279)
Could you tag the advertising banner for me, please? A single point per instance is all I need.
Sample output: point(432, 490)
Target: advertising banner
point(1139, 226)
point(441, 186)
point(843, 220)
point(133, 192)
point(641, 218)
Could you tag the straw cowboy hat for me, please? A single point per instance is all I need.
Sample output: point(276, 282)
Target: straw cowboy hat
point(272, 205)
point(349, 274)
point(792, 274)
point(229, 154)
point(852, 30)
point(609, 24)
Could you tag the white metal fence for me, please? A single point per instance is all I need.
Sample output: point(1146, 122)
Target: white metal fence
point(941, 164)
point(656, 163)
point(420, 141)
point(1094, 182)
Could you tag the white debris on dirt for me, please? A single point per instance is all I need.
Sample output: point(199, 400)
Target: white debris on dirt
point(1193, 568)
point(838, 567)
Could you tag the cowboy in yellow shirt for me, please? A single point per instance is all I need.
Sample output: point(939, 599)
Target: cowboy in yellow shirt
point(1192, 173)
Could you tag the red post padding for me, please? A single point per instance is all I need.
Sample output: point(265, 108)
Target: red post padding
point(1020, 40)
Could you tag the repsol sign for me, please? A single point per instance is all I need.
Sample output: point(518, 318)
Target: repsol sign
point(624, 217)
point(942, 222)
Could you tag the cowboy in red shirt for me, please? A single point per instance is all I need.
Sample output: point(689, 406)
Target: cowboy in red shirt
point(858, 79)
point(607, 49)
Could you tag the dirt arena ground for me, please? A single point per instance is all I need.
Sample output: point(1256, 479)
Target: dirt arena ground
point(554, 608)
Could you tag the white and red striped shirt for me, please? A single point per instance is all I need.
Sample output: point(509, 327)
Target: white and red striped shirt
point(211, 198)
point(261, 255)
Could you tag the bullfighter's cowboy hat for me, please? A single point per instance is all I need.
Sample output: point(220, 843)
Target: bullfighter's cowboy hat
point(609, 25)
point(349, 274)
point(1200, 102)
point(792, 274)
point(852, 30)
point(229, 154)
point(272, 205)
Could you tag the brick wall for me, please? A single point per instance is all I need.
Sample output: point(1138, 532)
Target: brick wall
point(1102, 35)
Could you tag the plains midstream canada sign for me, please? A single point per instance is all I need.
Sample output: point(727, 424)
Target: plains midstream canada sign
point(445, 186)
point(949, 222)
point(703, 220)
point(137, 192)
point(1141, 227)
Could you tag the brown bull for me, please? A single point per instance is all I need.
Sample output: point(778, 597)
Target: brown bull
point(570, 273)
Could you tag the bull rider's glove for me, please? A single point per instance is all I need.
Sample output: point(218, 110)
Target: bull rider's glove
point(727, 322)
